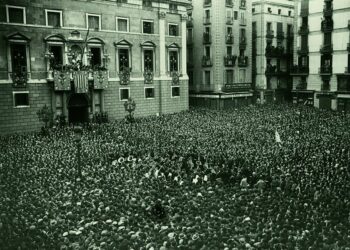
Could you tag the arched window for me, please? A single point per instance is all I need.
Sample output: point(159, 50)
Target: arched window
point(96, 52)
point(55, 47)
point(173, 57)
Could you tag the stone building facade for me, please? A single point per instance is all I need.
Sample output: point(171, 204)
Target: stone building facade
point(322, 58)
point(219, 53)
point(273, 45)
point(85, 57)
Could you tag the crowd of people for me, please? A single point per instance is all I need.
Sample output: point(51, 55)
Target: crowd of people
point(200, 179)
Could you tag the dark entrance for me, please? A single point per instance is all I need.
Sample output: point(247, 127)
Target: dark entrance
point(78, 109)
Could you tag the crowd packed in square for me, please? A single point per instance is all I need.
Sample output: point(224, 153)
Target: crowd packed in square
point(257, 177)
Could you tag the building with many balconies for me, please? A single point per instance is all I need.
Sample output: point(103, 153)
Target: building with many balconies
point(272, 45)
point(82, 58)
point(322, 58)
point(219, 53)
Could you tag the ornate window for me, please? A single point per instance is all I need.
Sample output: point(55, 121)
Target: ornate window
point(18, 59)
point(55, 47)
point(123, 55)
point(173, 58)
point(96, 53)
point(173, 29)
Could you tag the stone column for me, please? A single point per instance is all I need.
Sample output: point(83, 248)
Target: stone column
point(162, 52)
point(183, 44)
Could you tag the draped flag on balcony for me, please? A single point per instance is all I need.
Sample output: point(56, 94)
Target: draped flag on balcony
point(62, 81)
point(100, 79)
point(81, 81)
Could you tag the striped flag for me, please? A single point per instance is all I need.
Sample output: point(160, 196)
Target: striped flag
point(80, 82)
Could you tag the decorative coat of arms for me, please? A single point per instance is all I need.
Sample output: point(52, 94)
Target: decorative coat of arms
point(61, 80)
point(148, 75)
point(124, 76)
point(175, 76)
point(100, 79)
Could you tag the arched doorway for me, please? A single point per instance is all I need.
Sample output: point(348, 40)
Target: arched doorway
point(78, 108)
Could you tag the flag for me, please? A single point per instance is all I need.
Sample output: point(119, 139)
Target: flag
point(277, 137)
point(80, 82)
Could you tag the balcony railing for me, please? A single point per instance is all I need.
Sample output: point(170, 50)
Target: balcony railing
point(272, 70)
point(327, 25)
point(303, 50)
point(190, 22)
point(229, 39)
point(303, 30)
point(229, 20)
point(242, 61)
point(325, 70)
point(230, 60)
point(206, 61)
point(280, 35)
point(327, 11)
point(206, 20)
point(326, 48)
point(229, 3)
point(206, 38)
point(299, 70)
point(243, 21)
point(19, 79)
point(269, 34)
point(272, 51)
point(242, 43)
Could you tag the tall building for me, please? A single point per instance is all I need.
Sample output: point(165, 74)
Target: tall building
point(321, 71)
point(81, 58)
point(273, 43)
point(219, 53)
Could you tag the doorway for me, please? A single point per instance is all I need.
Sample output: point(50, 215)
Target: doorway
point(78, 109)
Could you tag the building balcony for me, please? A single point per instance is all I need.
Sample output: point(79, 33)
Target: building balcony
point(207, 2)
point(19, 79)
point(237, 87)
point(229, 3)
point(206, 38)
point(206, 61)
point(243, 21)
point(190, 22)
point(327, 11)
point(242, 43)
point(230, 60)
point(303, 50)
point(299, 70)
point(242, 61)
point(229, 39)
point(243, 4)
point(272, 51)
point(327, 25)
point(325, 70)
point(229, 20)
point(280, 35)
point(269, 34)
point(303, 30)
point(274, 71)
point(326, 49)
point(206, 20)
